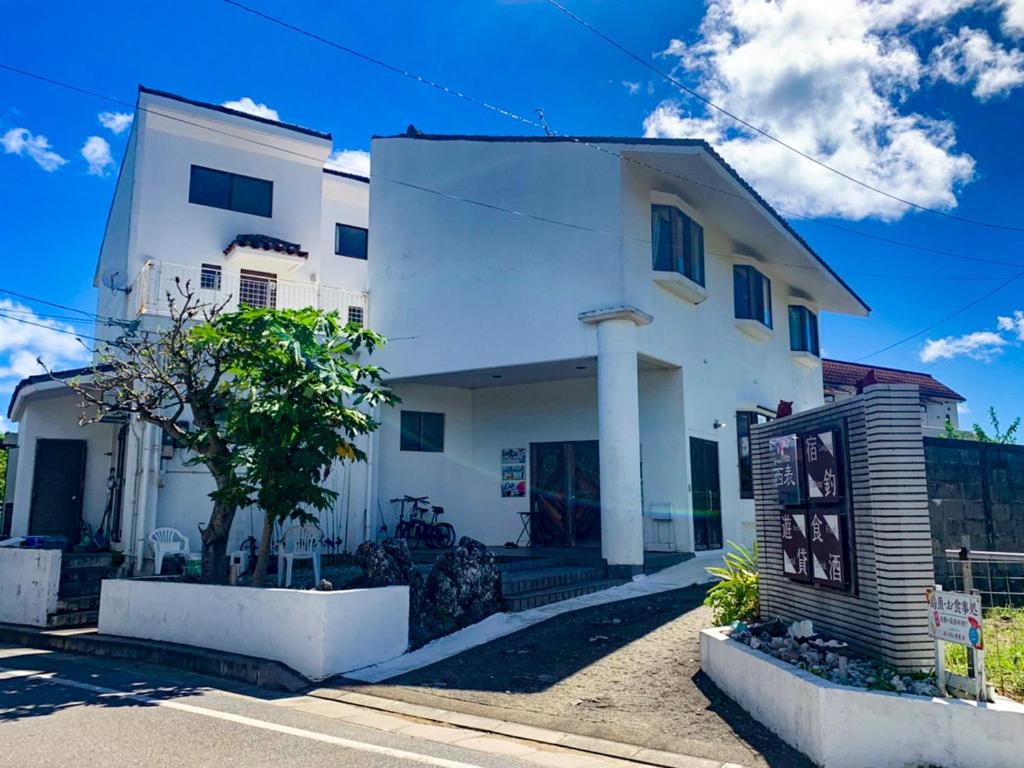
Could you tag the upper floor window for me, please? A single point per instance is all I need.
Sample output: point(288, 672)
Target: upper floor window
point(257, 289)
point(677, 243)
point(350, 241)
point(803, 330)
point(231, 191)
point(422, 431)
point(753, 293)
point(209, 277)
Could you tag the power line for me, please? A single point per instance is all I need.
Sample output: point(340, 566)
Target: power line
point(681, 86)
point(527, 215)
point(23, 321)
point(945, 319)
point(90, 315)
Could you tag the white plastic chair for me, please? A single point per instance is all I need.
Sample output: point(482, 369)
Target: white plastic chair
point(167, 541)
point(305, 541)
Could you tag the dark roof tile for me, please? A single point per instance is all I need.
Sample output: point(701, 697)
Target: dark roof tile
point(266, 243)
point(838, 373)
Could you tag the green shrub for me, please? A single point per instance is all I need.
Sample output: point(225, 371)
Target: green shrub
point(736, 595)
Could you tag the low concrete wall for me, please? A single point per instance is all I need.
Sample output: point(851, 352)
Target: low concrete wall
point(842, 727)
point(318, 634)
point(29, 582)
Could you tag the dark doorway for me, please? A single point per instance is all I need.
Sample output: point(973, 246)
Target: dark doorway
point(57, 483)
point(565, 494)
point(707, 497)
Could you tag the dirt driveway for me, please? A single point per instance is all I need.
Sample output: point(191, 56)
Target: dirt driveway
point(627, 671)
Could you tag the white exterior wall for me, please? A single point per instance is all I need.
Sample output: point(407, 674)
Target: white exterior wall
point(934, 414)
point(57, 418)
point(29, 585)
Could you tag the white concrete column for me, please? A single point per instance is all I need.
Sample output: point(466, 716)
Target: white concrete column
point(618, 419)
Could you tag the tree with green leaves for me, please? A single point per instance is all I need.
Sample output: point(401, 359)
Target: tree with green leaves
point(228, 372)
point(1009, 437)
point(296, 392)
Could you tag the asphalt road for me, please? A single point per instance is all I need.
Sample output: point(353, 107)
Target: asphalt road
point(65, 710)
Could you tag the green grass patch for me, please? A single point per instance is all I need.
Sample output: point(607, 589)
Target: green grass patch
point(1004, 652)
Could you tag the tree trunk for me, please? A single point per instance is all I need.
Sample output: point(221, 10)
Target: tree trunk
point(215, 544)
point(263, 558)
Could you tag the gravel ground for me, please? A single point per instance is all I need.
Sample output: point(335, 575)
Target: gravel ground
point(627, 671)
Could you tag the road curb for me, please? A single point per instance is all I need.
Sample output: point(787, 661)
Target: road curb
point(597, 746)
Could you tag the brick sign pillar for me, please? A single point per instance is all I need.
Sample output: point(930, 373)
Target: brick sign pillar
point(843, 526)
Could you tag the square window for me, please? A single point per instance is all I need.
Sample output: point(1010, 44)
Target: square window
point(257, 289)
point(350, 241)
point(677, 243)
point(355, 315)
point(209, 277)
point(422, 431)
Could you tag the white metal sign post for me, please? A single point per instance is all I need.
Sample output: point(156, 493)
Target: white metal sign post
point(955, 617)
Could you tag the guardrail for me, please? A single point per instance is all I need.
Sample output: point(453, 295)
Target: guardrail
point(157, 279)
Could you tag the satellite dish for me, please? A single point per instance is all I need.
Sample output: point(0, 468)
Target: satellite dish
point(114, 280)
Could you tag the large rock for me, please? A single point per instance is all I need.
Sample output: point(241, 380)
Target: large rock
point(463, 587)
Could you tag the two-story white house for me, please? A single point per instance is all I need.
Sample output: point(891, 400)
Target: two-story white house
point(581, 330)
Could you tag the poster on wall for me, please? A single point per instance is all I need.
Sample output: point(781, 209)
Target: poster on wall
point(785, 453)
point(822, 464)
point(513, 472)
point(828, 550)
point(513, 455)
point(795, 552)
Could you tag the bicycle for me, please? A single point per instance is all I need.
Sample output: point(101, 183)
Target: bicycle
point(416, 530)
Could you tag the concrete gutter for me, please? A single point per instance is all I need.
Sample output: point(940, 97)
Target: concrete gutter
point(594, 745)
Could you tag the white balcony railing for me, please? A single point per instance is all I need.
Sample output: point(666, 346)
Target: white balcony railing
point(158, 278)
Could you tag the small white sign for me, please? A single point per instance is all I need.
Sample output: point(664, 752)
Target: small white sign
point(955, 617)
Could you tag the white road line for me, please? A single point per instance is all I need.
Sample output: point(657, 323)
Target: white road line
point(361, 746)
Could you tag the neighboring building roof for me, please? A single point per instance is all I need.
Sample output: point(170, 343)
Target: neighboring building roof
point(837, 373)
point(237, 113)
point(412, 133)
point(355, 176)
point(266, 243)
point(41, 378)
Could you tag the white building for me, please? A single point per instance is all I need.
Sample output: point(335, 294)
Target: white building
point(939, 403)
point(581, 329)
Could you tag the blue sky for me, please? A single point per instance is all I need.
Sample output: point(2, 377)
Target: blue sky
point(922, 98)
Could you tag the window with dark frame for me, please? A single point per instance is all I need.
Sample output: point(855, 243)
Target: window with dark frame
point(677, 243)
point(257, 289)
point(744, 421)
point(753, 295)
point(803, 330)
point(230, 191)
point(210, 277)
point(355, 315)
point(351, 241)
point(422, 431)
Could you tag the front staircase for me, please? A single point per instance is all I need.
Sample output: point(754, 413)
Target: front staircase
point(81, 574)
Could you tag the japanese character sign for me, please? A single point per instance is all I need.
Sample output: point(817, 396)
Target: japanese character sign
point(822, 466)
point(796, 555)
point(785, 455)
point(955, 617)
point(827, 549)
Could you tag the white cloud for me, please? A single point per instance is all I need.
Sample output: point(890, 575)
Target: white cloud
point(971, 56)
point(979, 345)
point(21, 344)
point(632, 88)
point(963, 409)
point(96, 152)
point(21, 140)
point(1013, 324)
point(832, 79)
point(350, 160)
point(116, 122)
point(1013, 17)
point(247, 105)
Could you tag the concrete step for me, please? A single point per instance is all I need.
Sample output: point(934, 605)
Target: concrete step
point(529, 564)
point(83, 588)
point(526, 600)
point(519, 582)
point(90, 559)
point(78, 603)
point(73, 619)
point(86, 573)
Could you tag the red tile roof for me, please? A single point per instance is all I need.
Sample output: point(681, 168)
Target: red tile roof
point(837, 373)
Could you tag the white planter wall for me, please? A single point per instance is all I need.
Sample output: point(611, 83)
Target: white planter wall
point(842, 727)
point(29, 582)
point(318, 634)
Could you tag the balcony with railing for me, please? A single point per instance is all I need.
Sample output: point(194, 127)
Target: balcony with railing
point(215, 285)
